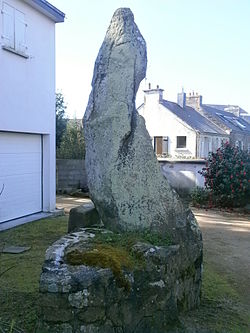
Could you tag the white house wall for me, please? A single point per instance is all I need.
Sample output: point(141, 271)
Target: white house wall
point(209, 143)
point(162, 122)
point(27, 90)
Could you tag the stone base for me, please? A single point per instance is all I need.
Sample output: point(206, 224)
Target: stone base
point(83, 299)
point(83, 216)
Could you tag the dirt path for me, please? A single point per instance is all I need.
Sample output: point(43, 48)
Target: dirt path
point(226, 239)
point(67, 202)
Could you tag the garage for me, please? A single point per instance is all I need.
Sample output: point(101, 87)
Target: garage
point(20, 175)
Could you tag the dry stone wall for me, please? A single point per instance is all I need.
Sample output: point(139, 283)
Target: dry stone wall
point(83, 299)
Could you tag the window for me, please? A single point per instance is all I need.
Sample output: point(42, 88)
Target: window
point(165, 145)
point(206, 147)
point(158, 145)
point(239, 124)
point(216, 144)
point(181, 142)
point(233, 120)
point(161, 145)
point(239, 144)
point(14, 30)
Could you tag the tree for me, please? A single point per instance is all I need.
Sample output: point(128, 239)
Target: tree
point(72, 143)
point(227, 176)
point(61, 119)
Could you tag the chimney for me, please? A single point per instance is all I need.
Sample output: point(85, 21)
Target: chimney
point(153, 95)
point(181, 99)
point(194, 100)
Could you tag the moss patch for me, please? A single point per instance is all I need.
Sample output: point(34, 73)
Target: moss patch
point(113, 250)
point(105, 256)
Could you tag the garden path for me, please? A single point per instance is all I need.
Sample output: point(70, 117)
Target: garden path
point(226, 237)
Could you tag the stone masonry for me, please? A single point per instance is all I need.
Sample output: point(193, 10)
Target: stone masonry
point(82, 299)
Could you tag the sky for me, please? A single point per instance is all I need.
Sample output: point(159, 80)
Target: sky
point(198, 45)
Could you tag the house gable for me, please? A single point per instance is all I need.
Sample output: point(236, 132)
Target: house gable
point(162, 123)
point(183, 130)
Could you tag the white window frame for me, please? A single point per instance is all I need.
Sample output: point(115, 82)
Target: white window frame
point(14, 39)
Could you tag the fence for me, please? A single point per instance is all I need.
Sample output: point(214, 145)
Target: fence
point(70, 175)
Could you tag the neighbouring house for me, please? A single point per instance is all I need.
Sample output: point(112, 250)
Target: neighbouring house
point(178, 130)
point(234, 109)
point(232, 119)
point(27, 107)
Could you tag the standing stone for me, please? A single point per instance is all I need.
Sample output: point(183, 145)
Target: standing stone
point(124, 178)
point(129, 193)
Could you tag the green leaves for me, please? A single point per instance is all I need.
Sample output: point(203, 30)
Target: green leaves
point(227, 175)
point(72, 142)
point(61, 119)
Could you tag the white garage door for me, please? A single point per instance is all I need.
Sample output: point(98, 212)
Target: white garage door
point(20, 175)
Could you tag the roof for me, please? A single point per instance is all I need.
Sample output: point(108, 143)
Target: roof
point(228, 108)
point(231, 121)
point(47, 9)
point(193, 118)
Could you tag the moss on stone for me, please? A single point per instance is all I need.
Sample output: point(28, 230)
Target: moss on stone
point(105, 256)
point(189, 272)
point(113, 250)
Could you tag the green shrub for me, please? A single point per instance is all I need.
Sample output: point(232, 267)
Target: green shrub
point(227, 176)
point(72, 142)
point(200, 196)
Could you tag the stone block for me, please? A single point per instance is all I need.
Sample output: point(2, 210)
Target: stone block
point(92, 315)
point(82, 217)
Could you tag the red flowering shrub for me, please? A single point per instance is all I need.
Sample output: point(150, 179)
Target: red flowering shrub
point(227, 176)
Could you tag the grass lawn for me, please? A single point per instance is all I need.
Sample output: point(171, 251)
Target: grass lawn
point(19, 296)
point(220, 309)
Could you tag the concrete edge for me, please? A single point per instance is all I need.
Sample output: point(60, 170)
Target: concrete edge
point(30, 218)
